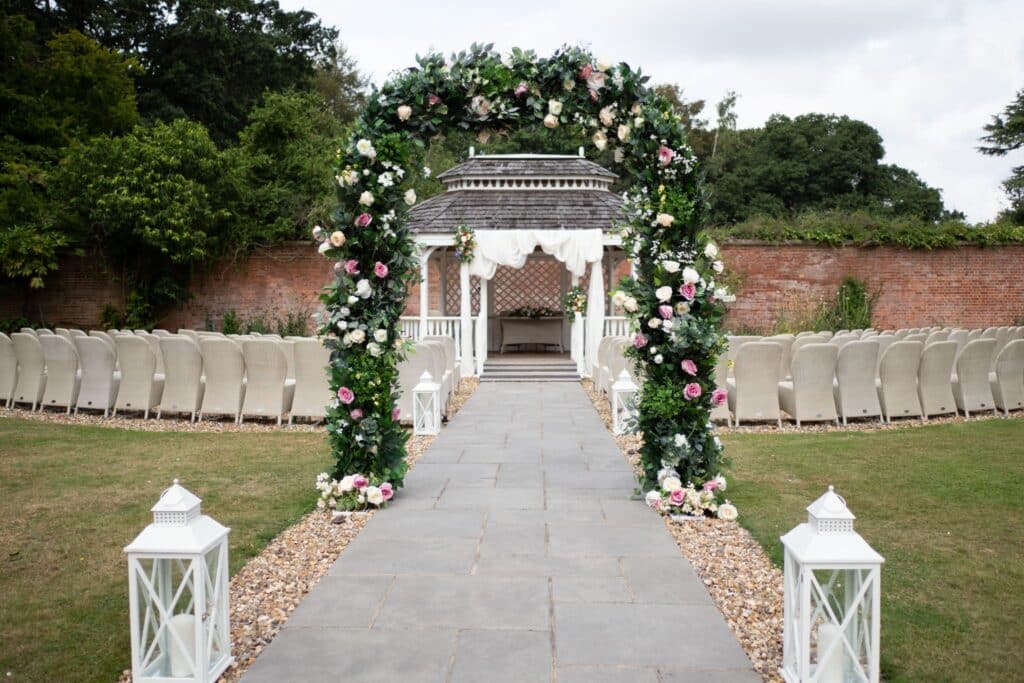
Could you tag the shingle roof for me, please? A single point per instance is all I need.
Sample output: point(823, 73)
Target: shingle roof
point(528, 165)
point(517, 210)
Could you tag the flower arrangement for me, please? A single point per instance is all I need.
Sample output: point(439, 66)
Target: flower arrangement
point(672, 498)
point(465, 243)
point(531, 312)
point(352, 492)
point(576, 300)
point(675, 299)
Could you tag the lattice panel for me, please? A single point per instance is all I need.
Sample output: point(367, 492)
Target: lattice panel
point(537, 284)
point(453, 293)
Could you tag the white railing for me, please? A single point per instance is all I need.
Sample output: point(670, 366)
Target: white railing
point(437, 326)
point(616, 326)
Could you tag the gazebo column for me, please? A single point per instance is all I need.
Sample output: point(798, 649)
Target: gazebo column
point(425, 252)
point(481, 328)
point(466, 323)
point(576, 336)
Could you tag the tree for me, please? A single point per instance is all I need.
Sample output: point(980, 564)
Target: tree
point(339, 83)
point(726, 110)
point(689, 112)
point(1005, 134)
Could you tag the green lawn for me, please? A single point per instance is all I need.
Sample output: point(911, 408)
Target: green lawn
point(944, 504)
point(72, 497)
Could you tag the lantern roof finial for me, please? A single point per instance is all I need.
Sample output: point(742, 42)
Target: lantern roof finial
point(177, 505)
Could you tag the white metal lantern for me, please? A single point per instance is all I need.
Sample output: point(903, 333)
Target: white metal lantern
point(178, 593)
point(426, 406)
point(624, 391)
point(832, 598)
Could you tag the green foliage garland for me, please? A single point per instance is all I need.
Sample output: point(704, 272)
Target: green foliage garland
point(478, 91)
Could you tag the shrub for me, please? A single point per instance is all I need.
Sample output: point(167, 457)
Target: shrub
point(230, 324)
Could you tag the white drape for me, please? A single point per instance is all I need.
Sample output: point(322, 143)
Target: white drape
point(574, 248)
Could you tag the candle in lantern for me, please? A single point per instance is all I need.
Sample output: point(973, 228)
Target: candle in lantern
point(830, 670)
point(183, 661)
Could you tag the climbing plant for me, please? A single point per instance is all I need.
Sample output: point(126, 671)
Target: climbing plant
point(674, 300)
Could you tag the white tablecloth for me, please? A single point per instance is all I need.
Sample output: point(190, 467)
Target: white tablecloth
point(547, 331)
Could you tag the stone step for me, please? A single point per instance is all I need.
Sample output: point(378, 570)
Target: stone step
point(563, 371)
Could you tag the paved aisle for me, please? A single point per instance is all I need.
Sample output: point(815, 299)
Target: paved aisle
point(512, 554)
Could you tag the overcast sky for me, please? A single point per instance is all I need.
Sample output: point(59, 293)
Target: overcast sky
point(927, 74)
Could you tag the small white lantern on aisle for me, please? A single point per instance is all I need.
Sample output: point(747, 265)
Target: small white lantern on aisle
point(178, 594)
point(832, 598)
point(624, 391)
point(426, 406)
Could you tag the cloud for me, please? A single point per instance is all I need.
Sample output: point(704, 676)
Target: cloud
point(927, 74)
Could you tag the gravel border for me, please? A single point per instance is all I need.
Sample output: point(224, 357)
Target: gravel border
point(743, 583)
point(271, 585)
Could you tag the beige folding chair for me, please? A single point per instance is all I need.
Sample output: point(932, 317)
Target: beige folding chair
point(43, 330)
point(754, 388)
point(154, 343)
point(449, 346)
point(183, 376)
point(934, 386)
point(441, 372)
point(162, 333)
point(29, 330)
point(736, 342)
point(63, 332)
point(807, 397)
point(786, 342)
point(936, 336)
point(190, 333)
point(63, 376)
point(410, 370)
point(897, 390)
point(721, 413)
point(31, 369)
point(99, 378)
point(971, 387)
point(1002, 339)
point(959, 337)
point(100, 334)
point(8, 369)
point(884, 342)
point(1007, 380)
point(140, 388)
point(854, 390)
point(225, 374)
point(268, 391)
point(312, 388)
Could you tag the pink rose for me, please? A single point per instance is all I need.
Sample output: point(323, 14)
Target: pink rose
point(352, 267)
point(719, 396)
point(395, 414)
point(710, 485)
point(357, 413)
point(665, 311)
point(433, 100)
point(639, 341)
point(677, 496)
point(380, 269)
point(387, 490)
point(665, 155)
point(363, 220)
point(521, 89)
point(689, 367)
point(692, 390)
point(586, 71)
point(360, 482)
point(345, 395)
point(688, 291)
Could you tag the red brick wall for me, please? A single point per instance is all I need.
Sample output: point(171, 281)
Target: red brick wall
point(970, 286)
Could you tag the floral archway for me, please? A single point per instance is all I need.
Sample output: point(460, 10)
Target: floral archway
point(673, 303)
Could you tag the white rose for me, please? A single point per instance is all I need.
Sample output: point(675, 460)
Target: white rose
point(603, 64)
point(638, 122)
point(665, 220)
point(351, 177)
point(607, 117)
point(630, 304)
point(718, 266)
point(670, 266)
point(595, 81)
point(365, 148)
point(324, 246)
point(720, 481)
point(728, 512)
point(363, 289)
point(551, 121)
point(680, 440)
point(554, 107)
point(357, 336)
point(636, 108)
point(663, 293)
point(410, 197)
point(342, 325)
point(380, 335)
point(404, 112)
point(352, 299)
point(666, 325)
point(690, 276)
point(711, 251)
point(653, 498)
point(654, 323)
point(337, 239)
point(623, 132)
point(671, 484)
point(619, 297)
point(347, 339)
point(345, 311)
point(659, 359)
point(374, 349)
point(600, 140)
point(374, 496)
point(682, 308)
point(366, 198)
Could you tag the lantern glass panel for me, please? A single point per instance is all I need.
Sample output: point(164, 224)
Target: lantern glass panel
point(217, 641)
point(166, 591)
point(840, 614)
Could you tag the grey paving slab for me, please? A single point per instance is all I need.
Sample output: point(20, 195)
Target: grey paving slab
point(513, 549)
point(502, 657)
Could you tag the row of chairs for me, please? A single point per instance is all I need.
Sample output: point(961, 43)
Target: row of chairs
point(192, 373)
point(436, 355)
